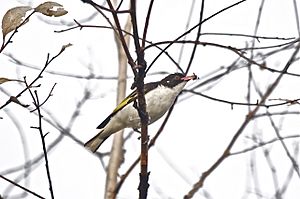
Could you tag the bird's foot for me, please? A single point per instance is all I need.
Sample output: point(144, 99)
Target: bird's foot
point(147, 138)
point(137, 130)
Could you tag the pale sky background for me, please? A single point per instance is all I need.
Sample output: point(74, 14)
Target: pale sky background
point(198, 130)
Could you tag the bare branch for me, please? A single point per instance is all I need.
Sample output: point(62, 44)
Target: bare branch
point(25, 189)
point(249, 117)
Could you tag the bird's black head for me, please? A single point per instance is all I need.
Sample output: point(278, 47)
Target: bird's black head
point(173, 80)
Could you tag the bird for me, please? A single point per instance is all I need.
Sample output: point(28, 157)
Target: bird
point(159, 96)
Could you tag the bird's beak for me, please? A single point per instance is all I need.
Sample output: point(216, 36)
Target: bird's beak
point(191, 77)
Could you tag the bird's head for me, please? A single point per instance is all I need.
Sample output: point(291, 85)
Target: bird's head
point(176, 79)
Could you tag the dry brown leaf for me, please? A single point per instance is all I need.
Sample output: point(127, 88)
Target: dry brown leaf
point(13, 18)
point(15, 100)
point(4, 79)
point(50, 8)
point(66, 46)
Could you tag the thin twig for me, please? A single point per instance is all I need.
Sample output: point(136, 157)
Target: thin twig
point(297, 17)
point(147, 23)
point(289, 176)
point(294, 163)
point(24, 188)
point(36, 102)
point(251, 114)
point(80, 26)
point(261, 143)
point(231, 103)
point(48, 61)
point(47, 98)
point(197, 38)
point(246, 35)
point(188, 21)
point(4, 44)
point(235, 50)
point(40, 129)
point(190, 30)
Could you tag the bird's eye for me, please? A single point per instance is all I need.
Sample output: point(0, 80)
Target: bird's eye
point(177, 77)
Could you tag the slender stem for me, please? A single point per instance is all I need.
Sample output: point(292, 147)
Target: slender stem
point(48, 61)
point(44, 144)
point(139, 83)
point(190, 30)
point(147, 23)
point(197, 38)
point(24, 188)
point(250, 116)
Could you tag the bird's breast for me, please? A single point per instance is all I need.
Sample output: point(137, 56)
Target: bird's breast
point(158, 102)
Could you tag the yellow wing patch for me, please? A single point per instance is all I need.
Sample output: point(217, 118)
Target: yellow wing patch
point(126, 101)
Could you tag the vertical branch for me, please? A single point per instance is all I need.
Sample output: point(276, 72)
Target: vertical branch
point(117, 28)
point(289, 155)
point(250, 74)
point(139, 83)
point(197, 38)
point(188, 21)
point(254, 174)
point(116, 155)
point(147, 23)
point(273, 171)
point(297, 16)
point(151, 144)
point(139, 73)
point(37, 104)
point(122, 39)
point(289, 176)
point(40, 129)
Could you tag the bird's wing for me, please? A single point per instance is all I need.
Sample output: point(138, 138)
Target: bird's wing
point(130, 98)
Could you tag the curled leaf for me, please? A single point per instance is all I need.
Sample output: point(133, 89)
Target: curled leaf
point(66, 46)
point(50, 9)
point(13, 18)
point(4, 79)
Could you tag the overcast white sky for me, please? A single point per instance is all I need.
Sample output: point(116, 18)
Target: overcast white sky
point(199, 129)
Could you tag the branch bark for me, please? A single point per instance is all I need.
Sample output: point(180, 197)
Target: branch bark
point(117, 155)
point(139, 83)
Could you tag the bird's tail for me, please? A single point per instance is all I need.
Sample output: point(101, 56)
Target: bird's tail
point(94, 143)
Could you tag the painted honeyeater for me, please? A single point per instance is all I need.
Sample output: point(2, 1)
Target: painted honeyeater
point(159, 97)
